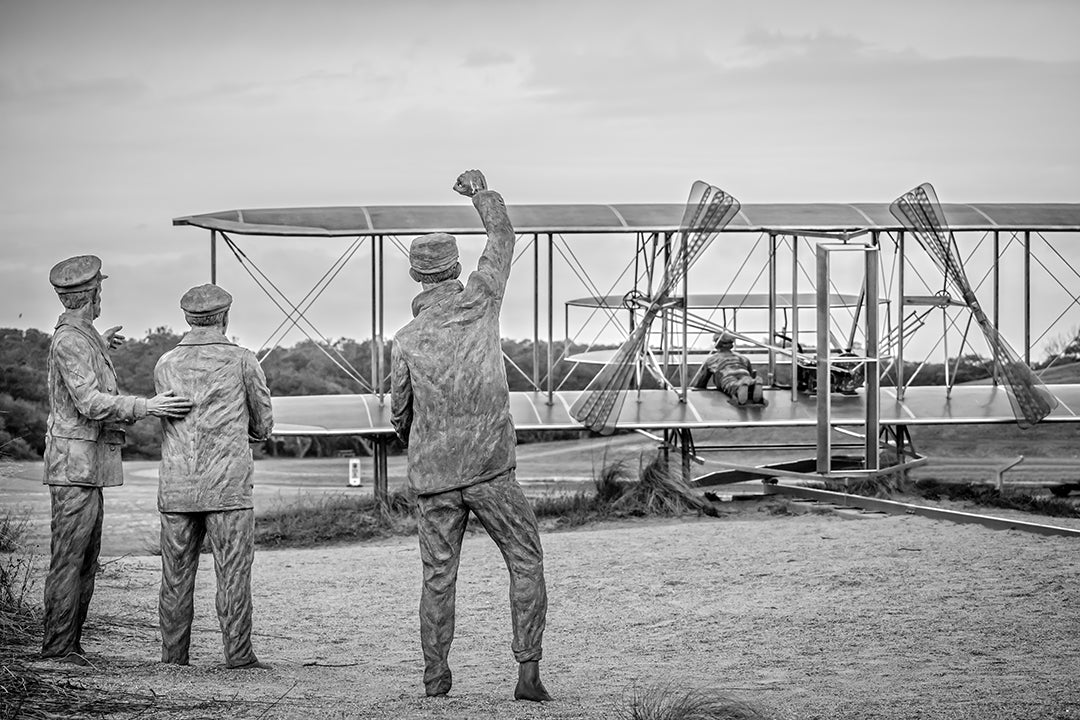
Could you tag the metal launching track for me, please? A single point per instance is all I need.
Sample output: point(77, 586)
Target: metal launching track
point(898, 508)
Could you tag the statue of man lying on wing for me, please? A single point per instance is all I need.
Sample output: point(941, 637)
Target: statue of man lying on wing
point(731, 373)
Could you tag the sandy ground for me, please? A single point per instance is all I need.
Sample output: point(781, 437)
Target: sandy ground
point(806, 616)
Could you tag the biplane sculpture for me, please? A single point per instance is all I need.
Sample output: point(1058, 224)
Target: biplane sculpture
point(664, 314)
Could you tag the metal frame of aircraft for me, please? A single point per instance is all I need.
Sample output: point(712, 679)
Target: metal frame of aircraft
point(667, 241)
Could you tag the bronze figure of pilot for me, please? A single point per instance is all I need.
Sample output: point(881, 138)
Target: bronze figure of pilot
point(451, 406)
point(205, 485)
point(82, 448)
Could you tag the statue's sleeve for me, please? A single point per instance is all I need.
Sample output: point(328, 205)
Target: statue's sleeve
point(72, 355)
point(493, 270)
point(401, 395)
point(260, 408)
point(701, 377)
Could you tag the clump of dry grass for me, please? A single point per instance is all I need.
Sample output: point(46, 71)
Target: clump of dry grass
point(666, 702)
point(880, 486)
point(661, 490)
point(28, 691)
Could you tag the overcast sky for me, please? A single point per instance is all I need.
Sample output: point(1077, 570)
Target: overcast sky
point(116, 117)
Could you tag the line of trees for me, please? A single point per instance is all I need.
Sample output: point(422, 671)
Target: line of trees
point(303, 369)
point(306, 369)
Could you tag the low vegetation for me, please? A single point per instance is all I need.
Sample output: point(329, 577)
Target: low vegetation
point(666, 702)
point(655, 489)
point(988, 496)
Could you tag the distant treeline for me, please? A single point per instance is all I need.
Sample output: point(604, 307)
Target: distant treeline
point(303, 369)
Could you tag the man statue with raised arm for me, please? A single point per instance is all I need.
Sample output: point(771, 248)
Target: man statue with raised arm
point(451, 406)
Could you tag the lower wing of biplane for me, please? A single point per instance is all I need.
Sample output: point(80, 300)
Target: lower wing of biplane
point(369, 414)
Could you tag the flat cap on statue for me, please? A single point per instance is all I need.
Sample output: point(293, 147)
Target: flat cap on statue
point(433, 253)
point(82, 272)
point(723, 339)
point(205, 300)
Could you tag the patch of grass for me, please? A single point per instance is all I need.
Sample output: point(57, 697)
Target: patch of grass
point(13, 525)
point(989, 496)
point(666, 702)
point(661, 490)
point(334, 519)
point(881, 486)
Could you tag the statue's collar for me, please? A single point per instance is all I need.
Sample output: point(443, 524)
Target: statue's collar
point(435, 295)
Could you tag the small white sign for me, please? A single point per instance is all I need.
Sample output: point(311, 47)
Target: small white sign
point(354, 472)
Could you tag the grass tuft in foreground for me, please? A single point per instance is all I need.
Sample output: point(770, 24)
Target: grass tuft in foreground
point(664, 702)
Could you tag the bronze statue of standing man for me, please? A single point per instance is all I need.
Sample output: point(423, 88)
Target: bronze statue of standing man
point(451, 406)
point(205, 483)
point(82, 448)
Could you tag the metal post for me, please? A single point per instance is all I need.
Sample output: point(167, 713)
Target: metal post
point(664, 314)
point(382, 320)
point(772, 308)
point(873, 366)
point(794, 318)
point(213, 257)
point(536, 312)
point(997, 300)
point(374, 315)
point(684, 378)
point(824, 409)
point(379, 473)
point(900, 324)
point(1027, 297)
point(551, 322)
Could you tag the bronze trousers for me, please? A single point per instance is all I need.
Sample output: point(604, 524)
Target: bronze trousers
point(232, 542)
point(77, 512)
point(502, 509)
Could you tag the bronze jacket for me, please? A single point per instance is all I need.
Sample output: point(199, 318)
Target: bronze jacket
point(450, 402)
point(84, 435)
point(206, 462)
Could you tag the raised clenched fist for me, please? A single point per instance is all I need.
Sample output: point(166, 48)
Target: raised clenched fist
point(470, 182)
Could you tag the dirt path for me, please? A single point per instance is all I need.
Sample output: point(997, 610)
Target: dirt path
point(811, 616)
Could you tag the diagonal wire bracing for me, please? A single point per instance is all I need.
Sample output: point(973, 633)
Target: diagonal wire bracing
point(263, 282)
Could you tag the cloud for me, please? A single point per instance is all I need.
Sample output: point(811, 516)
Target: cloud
point(52, 91)
point(485, 57)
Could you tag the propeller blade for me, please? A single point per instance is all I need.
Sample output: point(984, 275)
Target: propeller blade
point(708, 210)
point(598, 406)
point(921, 214)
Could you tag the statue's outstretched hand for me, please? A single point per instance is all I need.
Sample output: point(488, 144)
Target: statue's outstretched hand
point(470, 182)
point(113, 338)
point(168, 405)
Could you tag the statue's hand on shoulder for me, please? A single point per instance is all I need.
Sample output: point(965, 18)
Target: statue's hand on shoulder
point(470, 182)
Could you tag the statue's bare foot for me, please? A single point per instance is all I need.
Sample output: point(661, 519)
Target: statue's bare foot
point(439, 687)
point(529, 686)
point(74, 658)
point(253, 665)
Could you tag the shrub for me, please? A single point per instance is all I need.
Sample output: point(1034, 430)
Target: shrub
point(666, 702)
